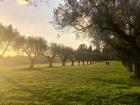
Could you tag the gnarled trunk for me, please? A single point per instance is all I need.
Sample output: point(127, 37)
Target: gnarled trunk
point(79, 63)
point(72, 63)
point(137, 63)
point(63, 63)
point(87, 62)
point(31, 63)
point(83, 63)
point(91, 62)
point(130, 67)
point(51, 63)
point(137, 70)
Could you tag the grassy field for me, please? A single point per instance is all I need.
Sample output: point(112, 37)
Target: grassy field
point(79, 85)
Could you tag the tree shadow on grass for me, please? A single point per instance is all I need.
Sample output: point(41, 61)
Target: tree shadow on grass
point(127, 99)
point(110, 81)
point(122, 99)
point(89, 98)
point(60, 96)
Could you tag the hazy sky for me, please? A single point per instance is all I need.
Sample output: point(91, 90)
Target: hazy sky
point(35, 21)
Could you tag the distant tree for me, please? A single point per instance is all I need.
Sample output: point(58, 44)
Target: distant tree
point(51, 52)
point(89, 55)
point(81, 54)
point(32, 47)
point(72, 56)
point(90, 48)
point(78, 56)
point(64, 53)
point(82, 47)
point(109, 52)
point(7, 37)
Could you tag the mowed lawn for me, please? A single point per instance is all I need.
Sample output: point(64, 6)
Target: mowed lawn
point(94, 84)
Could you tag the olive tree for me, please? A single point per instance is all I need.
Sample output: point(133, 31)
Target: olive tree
point(116, 22)
point(64, 53)
point(33, 47)
point(8, 36)
point(72, 56)
point(51, 52)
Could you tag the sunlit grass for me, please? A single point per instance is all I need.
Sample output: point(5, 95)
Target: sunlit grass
point(79, 85)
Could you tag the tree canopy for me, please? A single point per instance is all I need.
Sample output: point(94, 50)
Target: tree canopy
point(31, 46)
point(8, 36)
point(116, 22)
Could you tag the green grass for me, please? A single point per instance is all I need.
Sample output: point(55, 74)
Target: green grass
point(79, 85)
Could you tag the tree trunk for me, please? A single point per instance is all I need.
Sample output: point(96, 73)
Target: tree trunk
point(87, 62)
point(63, 63)
point(90, 62)
point(137, 70)
point(130, 67)
point(31, 64)
point(79, 63)
point(83, 63)
point(51, 63)
point(72, 63)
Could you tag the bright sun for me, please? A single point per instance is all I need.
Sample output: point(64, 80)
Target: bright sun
point(21, 2)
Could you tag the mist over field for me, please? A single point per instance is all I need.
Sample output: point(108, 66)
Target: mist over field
point(69, 52)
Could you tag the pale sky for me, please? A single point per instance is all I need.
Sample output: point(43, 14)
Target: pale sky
point(35, 21)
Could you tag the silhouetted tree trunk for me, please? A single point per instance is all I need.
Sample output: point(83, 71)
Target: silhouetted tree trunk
point(63, 62)
point(83, 63)
point(87, 62)
point(137, 70)
point(79, 63)
point(31, 63)
point(137, 63)
point(50, 62)
point(72, 63)
point(130, 66)
point(91, 62)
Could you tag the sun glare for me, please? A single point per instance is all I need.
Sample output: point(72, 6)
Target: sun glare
point(21, 2)
point(10, 53)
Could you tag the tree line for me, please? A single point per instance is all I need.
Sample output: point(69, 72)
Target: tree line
point(34, 47)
